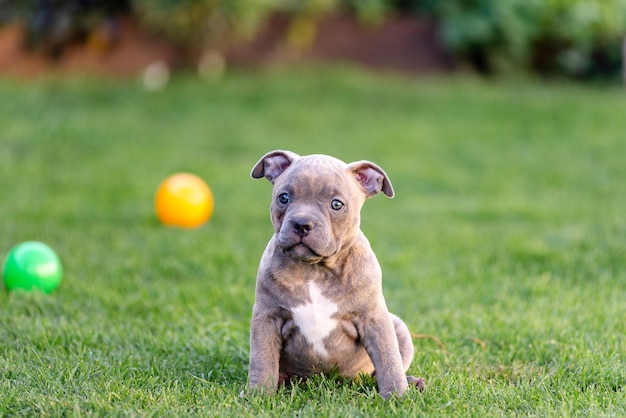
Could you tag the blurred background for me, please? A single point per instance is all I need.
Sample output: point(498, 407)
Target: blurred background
point(580, 39)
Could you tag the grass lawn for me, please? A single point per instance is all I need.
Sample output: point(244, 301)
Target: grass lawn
point(507, 241)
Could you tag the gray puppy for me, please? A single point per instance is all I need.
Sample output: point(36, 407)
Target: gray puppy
point(319, 305)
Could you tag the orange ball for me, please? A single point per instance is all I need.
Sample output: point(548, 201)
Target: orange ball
point(184, 200)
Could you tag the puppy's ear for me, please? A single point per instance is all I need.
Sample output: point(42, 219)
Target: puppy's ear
point(273, 164)
point(372, 178)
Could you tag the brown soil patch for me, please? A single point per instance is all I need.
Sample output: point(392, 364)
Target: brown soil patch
point(404, 44)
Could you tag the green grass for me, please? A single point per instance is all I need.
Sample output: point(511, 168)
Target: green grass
point(507, 240)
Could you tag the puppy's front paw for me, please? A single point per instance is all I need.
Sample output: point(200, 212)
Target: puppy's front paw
point(417, 382)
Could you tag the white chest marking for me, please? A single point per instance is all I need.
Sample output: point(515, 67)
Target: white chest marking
point(315, 318)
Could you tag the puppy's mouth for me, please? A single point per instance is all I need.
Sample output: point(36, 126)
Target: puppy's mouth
point(302, 252)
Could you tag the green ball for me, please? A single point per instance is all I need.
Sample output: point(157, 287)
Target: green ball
point(32, 265)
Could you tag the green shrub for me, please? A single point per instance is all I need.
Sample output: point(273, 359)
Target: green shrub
point(55, 23)
point(590, 32)
point(574, 37)
point(191, 21)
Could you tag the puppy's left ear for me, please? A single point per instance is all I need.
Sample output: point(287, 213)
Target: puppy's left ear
point(372, 178)
point(273, 164)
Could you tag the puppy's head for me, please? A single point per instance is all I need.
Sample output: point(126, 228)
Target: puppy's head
point(316, 201)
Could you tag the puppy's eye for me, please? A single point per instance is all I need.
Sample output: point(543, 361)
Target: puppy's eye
point(283, 198)
point(336, 204)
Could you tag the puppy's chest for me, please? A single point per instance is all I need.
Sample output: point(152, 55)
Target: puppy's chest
point(316, 319)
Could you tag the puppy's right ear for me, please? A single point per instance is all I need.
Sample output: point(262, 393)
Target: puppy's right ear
point(273, 164)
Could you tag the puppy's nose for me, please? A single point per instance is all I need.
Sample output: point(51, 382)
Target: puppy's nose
point(302, 227)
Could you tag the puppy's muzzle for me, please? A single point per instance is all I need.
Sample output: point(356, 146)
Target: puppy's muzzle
point(299, 237)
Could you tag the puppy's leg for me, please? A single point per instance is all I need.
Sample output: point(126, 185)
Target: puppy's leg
point(381, 344)
point(407, 351)
point(265, 346)
point(405, 342)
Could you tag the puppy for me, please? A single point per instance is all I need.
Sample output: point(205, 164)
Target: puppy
point(319, 305)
